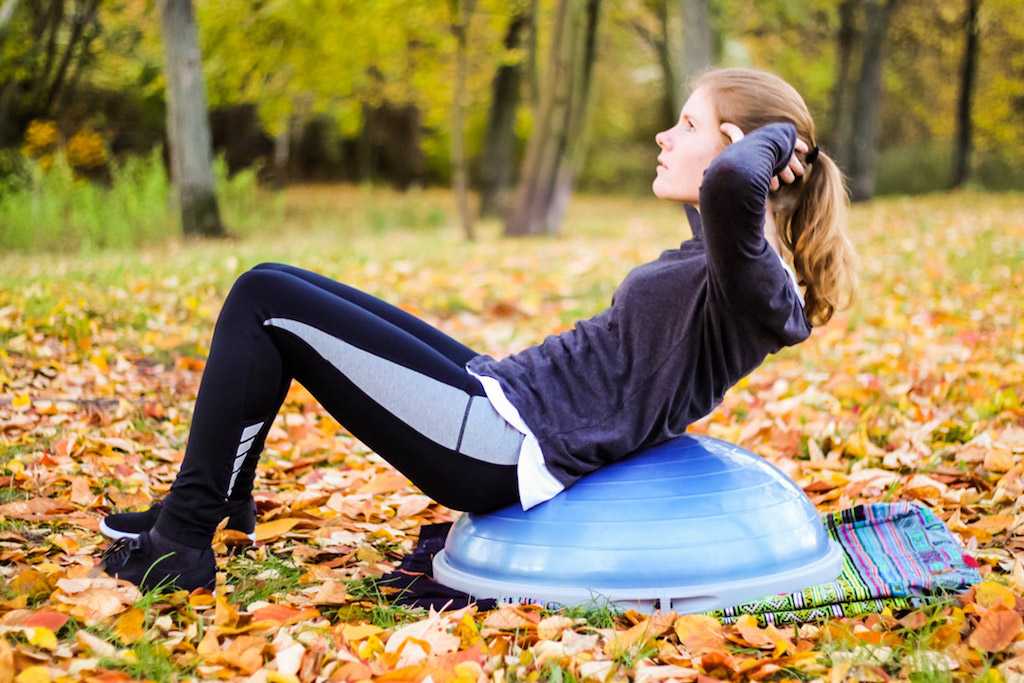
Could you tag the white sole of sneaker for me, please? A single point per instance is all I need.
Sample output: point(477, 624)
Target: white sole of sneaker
point(115, 534)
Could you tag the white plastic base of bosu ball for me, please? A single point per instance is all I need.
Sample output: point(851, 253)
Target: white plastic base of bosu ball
point(692, 524)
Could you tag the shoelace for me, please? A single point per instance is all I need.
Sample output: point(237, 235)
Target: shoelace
point(120, 550)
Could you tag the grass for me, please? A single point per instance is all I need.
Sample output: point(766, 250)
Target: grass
point(635, 653)
point(597, 614)
point(147, 659)
point(913, 656)
point(382, 613)
point(261, 578)
point(9, 494)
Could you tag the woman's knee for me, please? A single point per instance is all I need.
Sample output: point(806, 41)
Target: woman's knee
point(270, 265)
point(254, 283)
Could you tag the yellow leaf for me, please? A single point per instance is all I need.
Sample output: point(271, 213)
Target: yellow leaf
point(990, 676)
point(467, 672)
point(353, 632)
point(200, 599)
point(34, 674)
point(40, 636)
point(367, 553)
point(100, 362)
point(129, 626)
point(991, 594)
point(21, 402)
point(278, 677)
point(371, 646)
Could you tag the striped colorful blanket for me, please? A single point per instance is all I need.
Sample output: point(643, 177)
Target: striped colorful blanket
point(897, 554)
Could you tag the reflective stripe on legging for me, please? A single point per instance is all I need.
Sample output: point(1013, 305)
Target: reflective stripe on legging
point(444, 414)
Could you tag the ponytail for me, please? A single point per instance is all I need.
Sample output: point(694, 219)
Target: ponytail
point(814, 233)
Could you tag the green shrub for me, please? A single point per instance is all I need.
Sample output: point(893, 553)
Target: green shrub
point(57, 211)
point(51, 209)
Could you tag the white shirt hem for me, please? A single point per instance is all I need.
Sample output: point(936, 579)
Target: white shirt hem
point(536, 483)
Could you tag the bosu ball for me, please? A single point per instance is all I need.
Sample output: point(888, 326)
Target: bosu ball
point(691, 524)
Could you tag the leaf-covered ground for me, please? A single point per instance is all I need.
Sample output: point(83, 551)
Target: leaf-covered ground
point(915, 393)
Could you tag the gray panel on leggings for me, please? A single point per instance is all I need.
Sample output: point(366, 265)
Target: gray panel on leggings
point(488, 436)
point(431, 407)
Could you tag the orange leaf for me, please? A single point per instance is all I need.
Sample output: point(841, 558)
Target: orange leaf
point(387, 481)
point(283, 614)
point(46, 618)
point(225, 614)
point(81, 494)
point(276, 528)
point(699, 633)
point(997, 629)
point(752, 633)
point(331, 593)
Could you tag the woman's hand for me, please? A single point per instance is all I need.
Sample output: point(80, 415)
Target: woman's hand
point(792, 169)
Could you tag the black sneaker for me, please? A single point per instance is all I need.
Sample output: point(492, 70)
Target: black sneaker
point(241, 517)
point(149, 559)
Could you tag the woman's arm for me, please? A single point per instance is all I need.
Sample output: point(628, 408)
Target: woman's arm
point(733, 200)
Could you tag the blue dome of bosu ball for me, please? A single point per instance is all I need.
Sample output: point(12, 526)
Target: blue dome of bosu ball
point(691, 524)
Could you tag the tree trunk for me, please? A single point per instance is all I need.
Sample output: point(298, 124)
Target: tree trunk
point(845, 39)
point(696, 39)
point(462, 12)
point(531, 61)
point(6, 12)
point(282, 153)
point(962, 153)
point(863, 143)
point(554, 147)
point(659, 41)
point(499, 142)
point(188, 128)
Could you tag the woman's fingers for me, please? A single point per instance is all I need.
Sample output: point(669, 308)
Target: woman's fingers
point(796, 166)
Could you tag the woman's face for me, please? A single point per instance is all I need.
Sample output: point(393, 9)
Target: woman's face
point(686, 150)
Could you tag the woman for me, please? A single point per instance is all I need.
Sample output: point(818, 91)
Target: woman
point(478, 434)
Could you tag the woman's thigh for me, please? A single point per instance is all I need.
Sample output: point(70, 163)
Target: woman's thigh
point(415, 407)
point(451, 348)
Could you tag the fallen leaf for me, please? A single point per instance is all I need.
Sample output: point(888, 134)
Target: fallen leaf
point(128, 626)
point(996, 630)
point(225, 614)
point(699, 633)
point(275, 528)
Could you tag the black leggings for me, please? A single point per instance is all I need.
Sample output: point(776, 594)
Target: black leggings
point(395, 382)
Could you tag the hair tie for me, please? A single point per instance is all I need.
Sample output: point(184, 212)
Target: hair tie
point(812, 155)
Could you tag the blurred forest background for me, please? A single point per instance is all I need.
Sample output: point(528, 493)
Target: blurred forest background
point(122, 121)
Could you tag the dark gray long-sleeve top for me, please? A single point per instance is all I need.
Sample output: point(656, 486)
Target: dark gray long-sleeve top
point(680, 330)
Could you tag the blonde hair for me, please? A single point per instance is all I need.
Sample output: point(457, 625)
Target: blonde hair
point(811, 213)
